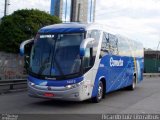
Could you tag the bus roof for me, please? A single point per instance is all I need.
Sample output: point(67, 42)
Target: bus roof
point(75, 27)
point(71, 28)
point(64, 28)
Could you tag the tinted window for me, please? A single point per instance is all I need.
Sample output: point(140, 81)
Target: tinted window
point(87, 58)
point(57, 55)
point(113, 44)
point(109, 44)
point(124, 46)
point(105, 44)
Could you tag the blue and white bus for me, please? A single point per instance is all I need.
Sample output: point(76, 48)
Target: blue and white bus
point(76, 62)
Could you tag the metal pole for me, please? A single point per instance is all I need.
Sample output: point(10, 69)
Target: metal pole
point(91, 11)
point(5, 8)
point(78, 15)
point(158, 45)
point(157, 55)
point(66, 12)
point(71, 15)
point(94, 11)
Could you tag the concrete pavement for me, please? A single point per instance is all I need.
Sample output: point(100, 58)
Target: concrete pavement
point(144, 99)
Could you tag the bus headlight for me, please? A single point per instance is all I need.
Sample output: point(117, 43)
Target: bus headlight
point(74, 85)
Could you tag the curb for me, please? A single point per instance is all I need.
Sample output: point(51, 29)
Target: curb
point(151, 74)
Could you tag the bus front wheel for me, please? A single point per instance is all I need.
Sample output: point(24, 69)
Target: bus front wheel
point(100, 93)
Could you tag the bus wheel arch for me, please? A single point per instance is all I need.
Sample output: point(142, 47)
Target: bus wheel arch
point(134, 82)
point(135, 77)
point(101, 91)
point(104, 86)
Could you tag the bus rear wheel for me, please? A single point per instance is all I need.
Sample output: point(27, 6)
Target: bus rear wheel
point(133, 86)
point(100, 93)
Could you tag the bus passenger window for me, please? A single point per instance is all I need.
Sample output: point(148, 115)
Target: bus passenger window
point(105, 45)
point(113, 47)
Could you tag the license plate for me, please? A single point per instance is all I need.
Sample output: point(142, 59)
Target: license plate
point(49, 95)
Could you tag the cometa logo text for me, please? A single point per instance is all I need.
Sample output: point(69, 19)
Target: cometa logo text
point(116, 63)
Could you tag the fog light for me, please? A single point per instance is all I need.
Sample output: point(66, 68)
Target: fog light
point(76, 94)
point(32, 84)
point(69, 86)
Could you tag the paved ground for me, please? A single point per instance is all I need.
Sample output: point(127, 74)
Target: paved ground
point(145, 99)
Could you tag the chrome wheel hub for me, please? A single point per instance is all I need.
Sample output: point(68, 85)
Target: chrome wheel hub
point(100, 91)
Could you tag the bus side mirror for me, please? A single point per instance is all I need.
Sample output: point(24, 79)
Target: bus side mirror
point(25, 50)
point(23, 46)
point(86, 43)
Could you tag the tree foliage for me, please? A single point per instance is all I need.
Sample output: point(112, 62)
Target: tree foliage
point(22, 25)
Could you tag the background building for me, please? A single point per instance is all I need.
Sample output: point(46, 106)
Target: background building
point(91, 10)
point(151, 61)
point(79, 10)
point(74, 10)
point(57, 8)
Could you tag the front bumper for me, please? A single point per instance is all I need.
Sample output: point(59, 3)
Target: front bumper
point(60, 93)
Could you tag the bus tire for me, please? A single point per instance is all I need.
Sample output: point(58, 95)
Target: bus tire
point(133, 86)
point(100, 93)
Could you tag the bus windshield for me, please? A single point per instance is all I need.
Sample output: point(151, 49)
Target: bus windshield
point(56, 54)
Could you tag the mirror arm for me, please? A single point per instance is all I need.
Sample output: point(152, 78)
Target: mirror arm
point(84, 45)
point(22, 46)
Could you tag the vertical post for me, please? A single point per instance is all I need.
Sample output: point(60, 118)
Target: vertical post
point(91, 11)
point(78, 15)
point(94, 10)
point(52, 7)
point(157, 57)
point(5, 8)
point(66, 12)
point(72, 9)
point(11, 86)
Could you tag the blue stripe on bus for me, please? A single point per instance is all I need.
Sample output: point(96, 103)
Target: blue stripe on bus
point(62, 30)
point(55, 82)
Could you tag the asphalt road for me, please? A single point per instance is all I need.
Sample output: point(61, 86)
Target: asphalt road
point(144, 99)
